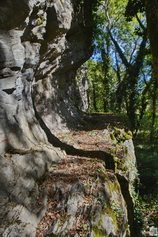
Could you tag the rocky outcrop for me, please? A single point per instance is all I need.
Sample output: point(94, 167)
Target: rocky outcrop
point(82, 101)
point(86, 196)
point(42, 44)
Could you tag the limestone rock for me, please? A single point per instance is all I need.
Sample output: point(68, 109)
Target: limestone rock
point(42, 43)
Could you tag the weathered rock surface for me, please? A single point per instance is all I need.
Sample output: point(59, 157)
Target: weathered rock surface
point(40, 51)
point(82, 101)
point(85, 197)
point(42, 43)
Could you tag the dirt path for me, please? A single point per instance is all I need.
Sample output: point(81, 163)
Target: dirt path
point(89, 160)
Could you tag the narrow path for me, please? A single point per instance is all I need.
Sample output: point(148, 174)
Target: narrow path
point(88, 157)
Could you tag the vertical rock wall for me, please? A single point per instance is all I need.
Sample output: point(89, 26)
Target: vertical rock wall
point(42, 43)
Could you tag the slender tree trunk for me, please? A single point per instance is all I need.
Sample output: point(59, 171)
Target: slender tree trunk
point(131, 78)
point(152, 25)
point(133, 103)
point(154, 98)
point(94, 97)
point(106, 63)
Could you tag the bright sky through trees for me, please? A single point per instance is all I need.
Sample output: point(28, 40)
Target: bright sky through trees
point(121, 68)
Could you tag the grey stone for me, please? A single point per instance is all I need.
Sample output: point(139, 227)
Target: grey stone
point(19, 230)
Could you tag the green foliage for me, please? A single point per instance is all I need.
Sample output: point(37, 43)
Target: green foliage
point(121, 135)
point(120, 73)
point(147, 162)
point(62, 2)
point(40, 20)
point(146, 203)
point(138, 213)
point(92, 133)
point(98, 232)
point(133, 7)
point(145, 125)
point(116, 207)
point(101, 90)
point(145, 212)
point(102, 171)
point(86, 227)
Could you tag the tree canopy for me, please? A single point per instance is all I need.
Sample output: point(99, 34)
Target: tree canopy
point(120, 72)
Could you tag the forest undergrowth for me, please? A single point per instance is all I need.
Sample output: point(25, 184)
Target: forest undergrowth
point(147, 164)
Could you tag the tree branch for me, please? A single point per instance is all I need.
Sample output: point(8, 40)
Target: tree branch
point(119, 50)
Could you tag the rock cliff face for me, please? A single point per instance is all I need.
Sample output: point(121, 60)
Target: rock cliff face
point(42, 44)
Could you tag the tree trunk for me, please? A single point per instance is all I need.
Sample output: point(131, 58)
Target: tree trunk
point(152, 130)
point(94, 97)
point(152, 24)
